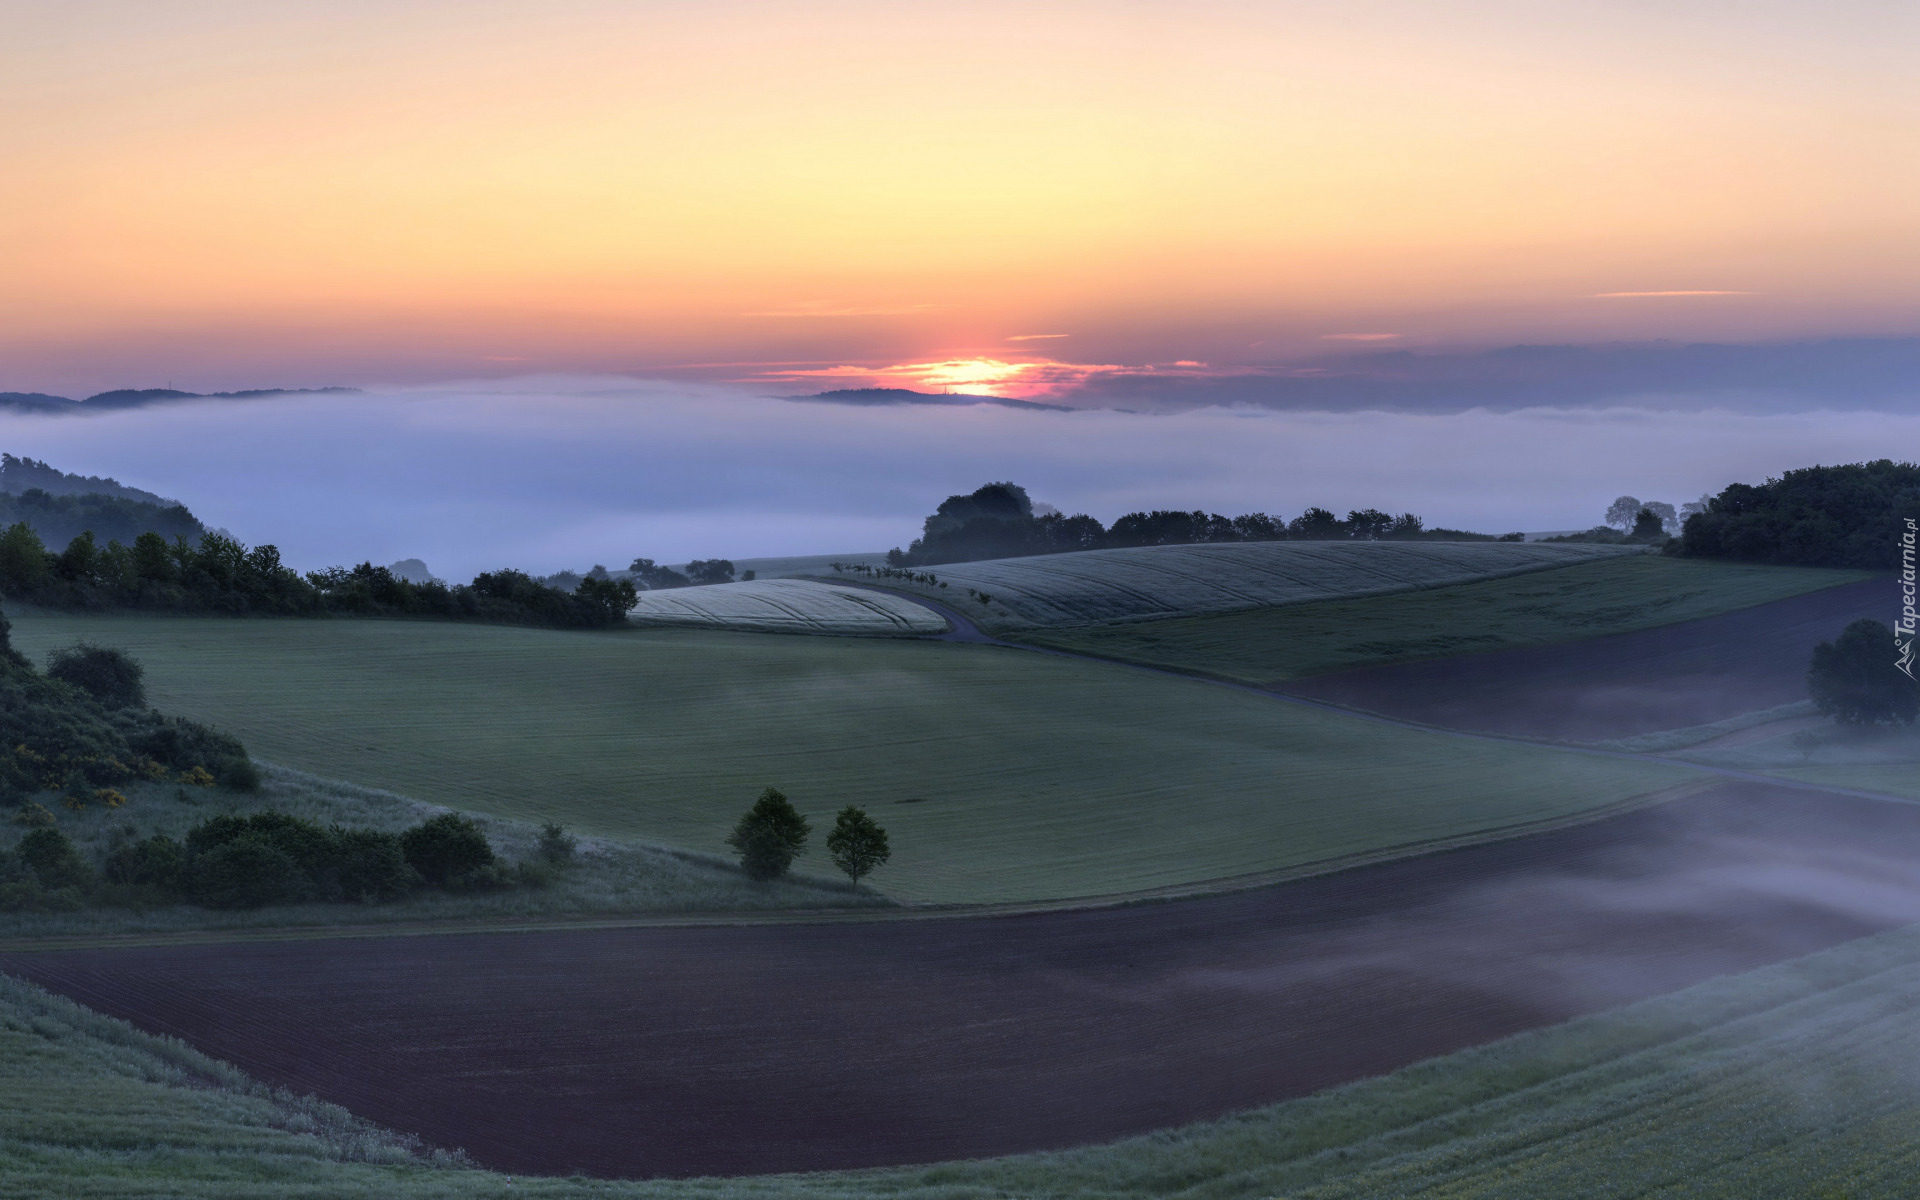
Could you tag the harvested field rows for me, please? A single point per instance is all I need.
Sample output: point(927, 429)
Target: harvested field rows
point(786, 606)
point(1147, 583)
point(684, 1051)
point(1001, 775)
point(1676, 676)
point(1615, 595)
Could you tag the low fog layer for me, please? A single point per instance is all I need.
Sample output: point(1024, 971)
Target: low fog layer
point(554, 473)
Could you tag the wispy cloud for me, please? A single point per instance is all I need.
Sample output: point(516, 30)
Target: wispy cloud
point(1036, 337)
point(1356, 337)
point(820, 308)
point(1686, 292)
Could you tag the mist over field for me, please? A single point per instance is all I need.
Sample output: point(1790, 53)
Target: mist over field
point(565, 472)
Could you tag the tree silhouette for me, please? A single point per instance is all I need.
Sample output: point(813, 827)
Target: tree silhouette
point(857, 844)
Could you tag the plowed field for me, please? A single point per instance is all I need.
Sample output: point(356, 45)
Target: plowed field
point(750, 1049)
point(1671, 677)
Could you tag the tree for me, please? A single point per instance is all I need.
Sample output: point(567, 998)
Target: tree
point(113, 677)
point(1368, 523)
point(654, 577)
point(857, 844)
point(609, 599)
point(1647, 527)
point(1622, 513)
point(769, 836)
point(1853, 679)
point(710, 570)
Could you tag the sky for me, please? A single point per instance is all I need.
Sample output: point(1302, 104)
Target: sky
point(1077, 201)
point(545, 474)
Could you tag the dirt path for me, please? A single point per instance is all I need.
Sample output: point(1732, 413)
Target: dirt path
point(755, 1049)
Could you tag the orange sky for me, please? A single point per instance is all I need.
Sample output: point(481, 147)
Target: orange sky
point(227, 193)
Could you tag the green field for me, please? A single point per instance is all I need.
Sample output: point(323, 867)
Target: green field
point(1614, 595)
point(1142, 583)
point(1792, 1081)
point(1002, 775)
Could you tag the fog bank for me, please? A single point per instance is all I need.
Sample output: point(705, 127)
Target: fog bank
point(552, 473)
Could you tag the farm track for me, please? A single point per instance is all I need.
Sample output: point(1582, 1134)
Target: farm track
point(747, 1049)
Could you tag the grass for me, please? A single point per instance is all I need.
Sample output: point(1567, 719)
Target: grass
point(608, 877)
point(1001, 776)
point(787, 606)
point(1792, 1081)
point(1142, 583)
point(1879, 759)
point(1614, 595)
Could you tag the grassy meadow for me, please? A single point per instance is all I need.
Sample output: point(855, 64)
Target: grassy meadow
point(1613, 595)
point(1002, 776)
point(606, 878)
point(1142, 583)
point(1792, 1081)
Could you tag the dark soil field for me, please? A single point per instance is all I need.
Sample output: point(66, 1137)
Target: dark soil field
point(1671, 677)
point(776, 1048)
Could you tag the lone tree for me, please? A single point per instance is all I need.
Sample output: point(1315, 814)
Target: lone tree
point(1854, 680)
point(769, 836)
point(857, 844)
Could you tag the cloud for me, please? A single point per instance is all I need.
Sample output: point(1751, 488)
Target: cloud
point(555, 472)
point(1358, 337)
point(1036, 337)
point(1630, 295)
point(819, 308)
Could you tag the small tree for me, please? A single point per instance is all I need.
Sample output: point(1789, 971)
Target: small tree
point(710, 570)
point(557, 846)
point(1647, 527)
point(1622, 513)
point(857, 844)
point(1853, 678)
point(1806, 741)
point(769, 836)
point(113, 677)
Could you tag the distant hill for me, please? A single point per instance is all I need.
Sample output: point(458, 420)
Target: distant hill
point(883, 396)
point(40, 402)
point(21, 475)
point(60, 507)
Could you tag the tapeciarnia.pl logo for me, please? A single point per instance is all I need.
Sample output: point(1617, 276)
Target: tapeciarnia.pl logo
point(1903, 628)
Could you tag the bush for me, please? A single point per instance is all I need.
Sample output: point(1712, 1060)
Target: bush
point(369, 866)
point(1854, 680)
point(557, 846)
point(769, 836)
point(247, 872)
point(157, 862)
point(113, 677)
point(53, 859)
point(446, 848)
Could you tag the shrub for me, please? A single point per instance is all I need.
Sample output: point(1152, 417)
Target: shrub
point(157, 862)
point(197, 776)
point(769, 836)
point(53, 859)
point(557, 846)
point(369, 866)
point(113, 677)
point(445, 848)
point(1853, 679)
point(238, 775)
point(247, 872)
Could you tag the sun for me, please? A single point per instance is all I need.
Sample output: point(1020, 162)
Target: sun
point(976, 376)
